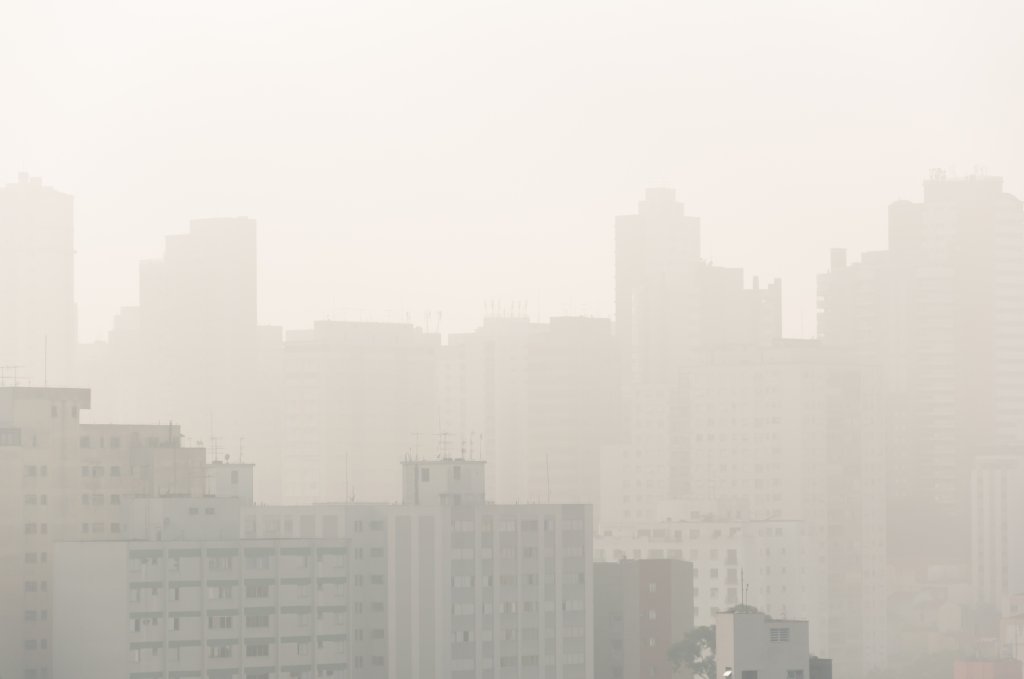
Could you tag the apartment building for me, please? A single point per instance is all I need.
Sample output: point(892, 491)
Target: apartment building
point(997, 532)
point(940, 311)
point(641, 608)
point(358, 397)
point(762, 562)
point(443, 584)
point(262, 608)
point(61, 479)
point(537, 401)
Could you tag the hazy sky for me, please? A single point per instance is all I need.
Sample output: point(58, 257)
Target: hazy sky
point(412, 156)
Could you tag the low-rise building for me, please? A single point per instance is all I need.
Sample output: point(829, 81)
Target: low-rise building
point(755, 646)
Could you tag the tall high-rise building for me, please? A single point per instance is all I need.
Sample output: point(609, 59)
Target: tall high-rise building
point(38, 317)
point(537, 401)
point(197, 328)
point(795, 431)
point(670, 305)
point(358, 398)
point(997, 528)
point(191, 352)
point(790, 432)
point(61, 479)
point(941, 311)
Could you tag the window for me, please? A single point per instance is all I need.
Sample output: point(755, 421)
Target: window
point(795, 674)
point(257, 591)
point(424, 475)
point(220, 622)
point(779, 634)
point(257, 621)
point(257, 650)
point(10, 437)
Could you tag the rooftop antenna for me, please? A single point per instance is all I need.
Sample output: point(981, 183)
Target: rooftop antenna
point(46, 360)
point(241, 448)
point(547, 466)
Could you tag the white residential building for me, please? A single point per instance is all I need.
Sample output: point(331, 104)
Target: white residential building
point(443, 585)
point(755, 646)
point(61, 479)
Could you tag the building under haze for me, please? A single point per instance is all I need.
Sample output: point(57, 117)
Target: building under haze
point(64, 480)
point(941, 311)
point(191, 351)
point(787, 432)
point(997, 527)
point(755, 646)
point(38, 317)
point(765, 563)
point(358, 398)
point(537, 401)
point(641, 608)
point(670, 304)
point(443, 585)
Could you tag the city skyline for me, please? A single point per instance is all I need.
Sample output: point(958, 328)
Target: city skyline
point(759, 138)
point(511, 340)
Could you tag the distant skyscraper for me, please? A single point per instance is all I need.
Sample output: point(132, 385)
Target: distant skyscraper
point(537, 401)
point(38, 318)
point(358, 398)
point(796, 432)
point(670, 304)
point(191, 351)
point(942, 312)
point(197, 327)
point(997, 527)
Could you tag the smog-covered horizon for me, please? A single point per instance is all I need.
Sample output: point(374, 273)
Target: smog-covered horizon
point(452, 340)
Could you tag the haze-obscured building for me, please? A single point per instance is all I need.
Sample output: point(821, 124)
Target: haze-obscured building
point(38, 316)
point(641, 608)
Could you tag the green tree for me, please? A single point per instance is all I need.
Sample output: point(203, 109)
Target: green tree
point(696, 651)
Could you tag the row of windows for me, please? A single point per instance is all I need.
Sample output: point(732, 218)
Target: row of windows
point(261, 591)
point(258, 650)
point(509, 580)
point(251, 621)
point(510, 525)
point(98, 471)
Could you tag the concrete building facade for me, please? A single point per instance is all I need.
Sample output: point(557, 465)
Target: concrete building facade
point(61, 479)
point(641, 608)
point(755, 646)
